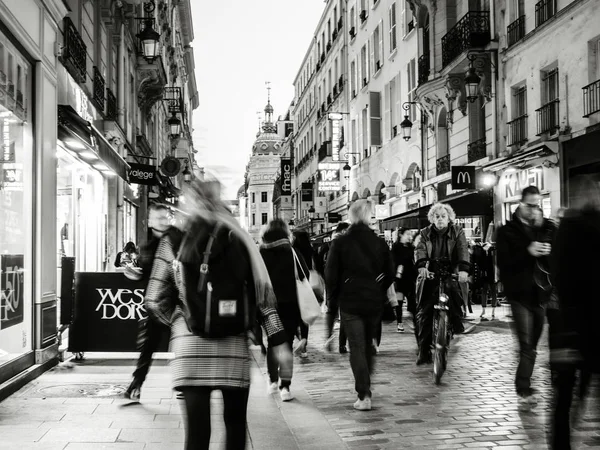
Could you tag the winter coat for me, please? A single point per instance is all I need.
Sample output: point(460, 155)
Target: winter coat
point(403, 255)
point(355, 262)
point(515, 264)
point(576, 264)
point(457, 248)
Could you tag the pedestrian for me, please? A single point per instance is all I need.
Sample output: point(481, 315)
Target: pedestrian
point(484, 286)
point(521, 245)
point(440, 241)
point(576, 263)
point(211, 350)
point(358, 272)
point(302, 246)
point(127, 257)
point(150, 331)
point(406, 276)
point(276, 251)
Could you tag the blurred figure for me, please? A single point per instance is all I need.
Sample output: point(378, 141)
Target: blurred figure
point(302, 245)
point(202, 364)
point(441, 240)
point(358, 273)
point(127, 257)
point(484, 284)
point(150, 331)
point(522, 244)
point(577, 335)
point(276, 251)
point(406, 276)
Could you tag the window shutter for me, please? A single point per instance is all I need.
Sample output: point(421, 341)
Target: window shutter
point(371, 56)
point(386, 111)
point(381, 41)
point(375, 117)
point(398, 101)
point(403, 17)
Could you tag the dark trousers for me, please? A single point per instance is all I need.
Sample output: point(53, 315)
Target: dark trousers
point(426, 310)
point(197, 427)
point(290, 325)
point(486, 291)
point(343, 338)
point(303, 331)
point(528, 317)
point(148, 340)
point(361, 330)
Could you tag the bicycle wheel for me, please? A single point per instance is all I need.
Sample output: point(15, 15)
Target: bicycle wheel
point(440, 347)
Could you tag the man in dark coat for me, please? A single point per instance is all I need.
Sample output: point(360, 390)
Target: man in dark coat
point(442, 240)
point(523, 245)
point(358, 272)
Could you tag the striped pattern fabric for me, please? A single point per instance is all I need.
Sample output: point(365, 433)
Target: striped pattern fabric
point(216, 362)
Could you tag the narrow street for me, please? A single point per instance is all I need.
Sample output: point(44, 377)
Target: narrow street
point(475, 407)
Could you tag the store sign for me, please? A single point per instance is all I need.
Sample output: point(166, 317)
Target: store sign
point(329, 177)
point(307, 192)
point(11, 295)
point(382, 212)
point(463, 177)
point(108, 309)
point(142, 174)
point(336, 137)
point(515, 182)
point(286, 177)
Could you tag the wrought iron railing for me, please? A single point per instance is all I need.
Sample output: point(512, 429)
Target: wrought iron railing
point(591, 98)
point(476, 150)
point(112, 111)
point(323, 57)
point(352, 32)
point(472, 31)
point(99, 86)
point(329, 99)
point(442, 165)
point(547, 118)
point(341, 83)
point(516, 31)
point(328, 46)
point(517, 130)
point(340, 23)
point(74, 51)
point(335, 90)
point(423, 68)
point(544, 10)
point(363, 16)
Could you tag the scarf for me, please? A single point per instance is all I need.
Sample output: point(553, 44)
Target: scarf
point(277, 243)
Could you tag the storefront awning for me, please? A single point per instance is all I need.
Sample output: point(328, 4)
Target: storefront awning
point(544, 148)
point(413, 219)
point(109, 155)
point(72, 126)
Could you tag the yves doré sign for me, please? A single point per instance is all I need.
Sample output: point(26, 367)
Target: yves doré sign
point(286, 177)
point(142, 173)
point(329, 177)
point(108, 307)
point(463, 177)
point(515, 182)
point(11, 296)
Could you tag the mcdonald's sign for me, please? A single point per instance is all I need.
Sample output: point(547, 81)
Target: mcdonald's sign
point(463, 177)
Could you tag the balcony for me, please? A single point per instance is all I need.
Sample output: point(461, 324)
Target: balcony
point(423, 68)
point(329, 99)
point(547, 118)
point(322, 57)
point(442, 165)
point(74, 52)
point(363, 16)
point(340, 23)
point(591, 98)
point(516, 31)
point(472, 31)
point(377, 66)
point(318, 66)
point(334, 35)
point(352, 33)
point(365, 82)
point(112, 111)
point(99, 86)
point(341, 83)
point(544, 11)
point(476, 150)
point(517, 131)
point(335, 91)
point(325, 150)
point(328, 46)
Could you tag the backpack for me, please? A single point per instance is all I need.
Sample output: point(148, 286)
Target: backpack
point(217, 297)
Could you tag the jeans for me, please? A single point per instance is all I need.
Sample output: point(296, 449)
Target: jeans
point(149, 336)
point(528, 324)
point(197, 426)
point(361, 330)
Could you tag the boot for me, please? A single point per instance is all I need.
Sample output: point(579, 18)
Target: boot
point(424, 357)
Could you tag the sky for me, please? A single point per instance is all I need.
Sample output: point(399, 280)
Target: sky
point(238, 46)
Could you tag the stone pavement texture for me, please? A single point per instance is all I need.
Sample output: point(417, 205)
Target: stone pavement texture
point(475, 407)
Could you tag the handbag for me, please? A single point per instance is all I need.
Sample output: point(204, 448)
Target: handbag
point(317, 283)
point(307, 301)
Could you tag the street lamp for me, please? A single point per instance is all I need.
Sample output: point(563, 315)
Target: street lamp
point(311, 212)
point(187, 175)
point(346, 170)
point(406, 124)
point(174, 126)
point(472, 81)
point(149, 39)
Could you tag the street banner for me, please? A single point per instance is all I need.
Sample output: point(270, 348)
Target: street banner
point(307, 192)
point(11, 295)
point(463, 177)
point(286, 177)
point(142, 174)
point(108, 308)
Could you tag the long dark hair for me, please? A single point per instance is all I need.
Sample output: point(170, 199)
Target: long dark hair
point(303, 246)
point(276, 230)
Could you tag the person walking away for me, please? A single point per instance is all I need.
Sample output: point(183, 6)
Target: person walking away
point(484, 277)
point(358, 273)
point(521, 243)
point(440, 240)
point(576, 352)
point(406, 276)
point(302, 246)
point(276, 251)
point(150, 331)
point(208, 291)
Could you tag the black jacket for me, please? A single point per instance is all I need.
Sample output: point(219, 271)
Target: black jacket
point(515, 263)
point(354, 263)
point(404, 255)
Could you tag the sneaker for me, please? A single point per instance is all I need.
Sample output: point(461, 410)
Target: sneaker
point(400, 328)
point(336, 326)
point(363, 405)
point(303, 355)
point(301, 347)
point(134, 391)
point(286, 395)
point(343, 350)
point(272, 387)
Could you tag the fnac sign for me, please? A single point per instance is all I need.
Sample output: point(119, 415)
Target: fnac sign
point(463, 177)
point(142, 174)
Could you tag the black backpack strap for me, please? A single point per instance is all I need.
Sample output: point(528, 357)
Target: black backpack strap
point(204, 264)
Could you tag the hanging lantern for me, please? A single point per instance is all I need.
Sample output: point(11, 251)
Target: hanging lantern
point(174, 126)
point(472, 81)
point(406, 127)
point(149, 39)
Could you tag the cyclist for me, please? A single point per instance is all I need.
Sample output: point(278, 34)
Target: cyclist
point(441, 240)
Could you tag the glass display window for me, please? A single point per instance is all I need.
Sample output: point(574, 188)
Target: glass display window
point(472, 227)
